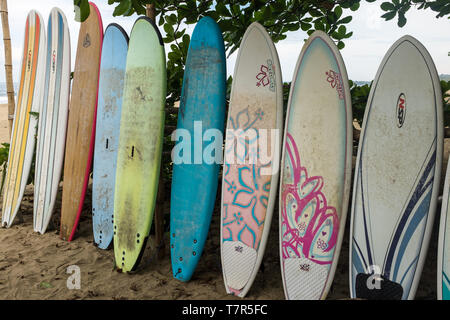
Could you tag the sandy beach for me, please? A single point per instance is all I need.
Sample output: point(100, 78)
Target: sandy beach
point(34, 266)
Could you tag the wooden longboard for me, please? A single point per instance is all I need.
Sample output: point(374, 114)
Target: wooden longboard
point(194, 183)
point(252, 156)
point(52, 127)
point(140, 143)
point(24, 126)
point(316, 170)
point(112, 77)
point(81, 123)
point(397, 175)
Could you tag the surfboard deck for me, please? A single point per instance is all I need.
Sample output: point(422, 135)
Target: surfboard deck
point(316, 170)
point(397, 175)
point(112, 77)
point(81, 124)
point(443, 272)
point(250, 176)
point(51, 138)
point(25, 123)
point(194, 183)
point(140, 143)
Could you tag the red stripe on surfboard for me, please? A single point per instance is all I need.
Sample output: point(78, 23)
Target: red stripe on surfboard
point(92, 143)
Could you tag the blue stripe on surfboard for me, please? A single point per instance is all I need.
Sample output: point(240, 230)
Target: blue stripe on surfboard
point(419, 215)
point(418, 192)
point(445, 286)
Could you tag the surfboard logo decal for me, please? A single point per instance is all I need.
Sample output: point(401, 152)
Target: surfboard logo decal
point(335, 80)
point(266, 76)
point(29, 61)
point(87, 41)
point(54, 61)
point(401, 110)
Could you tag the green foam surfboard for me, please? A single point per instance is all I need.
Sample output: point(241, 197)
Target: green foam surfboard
point(140, 143)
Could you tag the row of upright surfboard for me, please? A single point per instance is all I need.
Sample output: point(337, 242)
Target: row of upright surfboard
point(115, 122)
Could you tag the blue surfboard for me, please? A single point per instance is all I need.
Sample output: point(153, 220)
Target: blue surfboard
point(112, 76)
point(195, 177)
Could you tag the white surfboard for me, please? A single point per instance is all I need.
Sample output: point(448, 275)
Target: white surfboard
point(316, 170)
point(51, 137)
point(252, 155)
point(397, 175)
point(29, 102)
point(443, 272)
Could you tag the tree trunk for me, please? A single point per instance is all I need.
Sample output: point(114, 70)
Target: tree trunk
point(8, 63)
point(150, 11)
point(159, 208)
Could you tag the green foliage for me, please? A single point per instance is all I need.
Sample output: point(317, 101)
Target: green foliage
point(400, 7)
point(4, 151)
point(445, 87)
point(359, 95)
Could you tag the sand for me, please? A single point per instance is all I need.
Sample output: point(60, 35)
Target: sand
point(34, 266)
point(4, 131)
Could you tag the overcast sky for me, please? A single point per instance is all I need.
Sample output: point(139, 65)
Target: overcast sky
point(372, 36)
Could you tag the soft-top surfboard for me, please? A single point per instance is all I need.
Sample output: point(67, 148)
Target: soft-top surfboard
point(109, 109)
point(81, 124)
point(201, 121)
point(51, 138)
point(140, 143)
point(25, 122)
point(251, 161)
point(397, 175)
point(316, 170)
point(443, 272)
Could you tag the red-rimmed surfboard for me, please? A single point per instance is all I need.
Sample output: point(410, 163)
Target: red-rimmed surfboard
point(52, 127)
point(315, 170)
point(24, 126)
point(81, 124)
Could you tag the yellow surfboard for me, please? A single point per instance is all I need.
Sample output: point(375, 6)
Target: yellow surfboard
point(140, 143)
point(25, 122)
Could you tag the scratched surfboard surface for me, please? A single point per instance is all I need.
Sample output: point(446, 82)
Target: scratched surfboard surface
point(316, 170)
point(51, 138)
point(23, 133)
point(443, 274)
point(251, 163)
point(140, 143)
point(81, 124)
point(195, 180)
point(111, 82)
point(397, 175)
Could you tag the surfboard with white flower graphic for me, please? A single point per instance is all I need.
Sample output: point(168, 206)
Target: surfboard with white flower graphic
point(250, 171)
point(316, 170)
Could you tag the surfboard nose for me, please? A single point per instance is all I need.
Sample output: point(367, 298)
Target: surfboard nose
point(304, 279)
point(238, 263)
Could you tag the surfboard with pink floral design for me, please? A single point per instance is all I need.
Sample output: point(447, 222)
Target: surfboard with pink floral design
point(316, 170)
point(251, 161)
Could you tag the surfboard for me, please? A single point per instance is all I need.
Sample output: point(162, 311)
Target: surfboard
point(397, 175)
point(112, 77)
point(443, 272)
point(140, 143)
point(81, 124)
point(316, 170)
point(51, 138)
point(251, 159)
point(201, 120)
point(25, 116)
